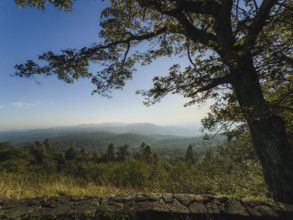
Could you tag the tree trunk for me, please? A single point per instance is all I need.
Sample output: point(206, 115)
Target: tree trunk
point(267, 130)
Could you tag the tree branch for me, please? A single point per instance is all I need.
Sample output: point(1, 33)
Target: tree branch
point(215, 82)
point(209, 7)
point(195, 34)
point(222, 25)
point(188, 53)
point(201, 7)
point(125, 55)
point(289, 60)
point(133, 38)
point(73, 64)
point(259, 21)
point(255, 5)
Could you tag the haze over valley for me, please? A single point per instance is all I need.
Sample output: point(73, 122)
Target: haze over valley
point(174, 139)
point(102, 130)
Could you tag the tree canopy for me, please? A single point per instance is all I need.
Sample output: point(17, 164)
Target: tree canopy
point(240, 54)
point(65, 5)
point(213, 35)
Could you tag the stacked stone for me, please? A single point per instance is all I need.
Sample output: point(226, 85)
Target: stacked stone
point(147, 206)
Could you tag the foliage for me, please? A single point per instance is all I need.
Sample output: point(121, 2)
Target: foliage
point(240, 55)
point(65, 5)
point(214, 36)
point(189, 154)
point(145, 153)
point(124, 153)
point(110, 154)
point(230, 169)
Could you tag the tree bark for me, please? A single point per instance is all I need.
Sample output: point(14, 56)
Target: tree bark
point(267, 130)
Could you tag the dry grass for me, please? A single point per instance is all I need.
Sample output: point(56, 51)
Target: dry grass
point(32, 185)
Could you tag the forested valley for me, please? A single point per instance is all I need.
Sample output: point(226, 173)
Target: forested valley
point(230, 168)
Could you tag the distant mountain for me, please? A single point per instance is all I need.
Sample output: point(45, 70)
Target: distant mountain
point(167, 141)
point(97, 131)
point(142, 129)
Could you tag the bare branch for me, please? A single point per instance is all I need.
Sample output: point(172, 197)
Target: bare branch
point(237, 8)
point(188, 53)
point(125, 55)
point(255, 5)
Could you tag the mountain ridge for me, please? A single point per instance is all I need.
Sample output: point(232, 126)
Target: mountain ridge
point(98, 130)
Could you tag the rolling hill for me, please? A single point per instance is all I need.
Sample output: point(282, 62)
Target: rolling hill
point(99, 136)
point(97, 131)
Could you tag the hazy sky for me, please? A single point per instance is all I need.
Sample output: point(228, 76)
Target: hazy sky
point(28, 32)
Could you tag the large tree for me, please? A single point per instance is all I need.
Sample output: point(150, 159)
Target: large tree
point(240, 54)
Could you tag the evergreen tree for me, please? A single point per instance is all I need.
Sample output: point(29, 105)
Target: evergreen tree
point(139, 154)
point(148, 155)
point(96, 156)
point(124, 153)
point(208, 155)
point(60, 158)
point(156, 158)
point(83, 155)
point(110, 154)
point(39, 151)
point(71, 154)
point(48, 146)
point(189, 155)
point(145, 153)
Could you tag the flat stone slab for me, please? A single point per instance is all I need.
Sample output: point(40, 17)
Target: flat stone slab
point(145, 206)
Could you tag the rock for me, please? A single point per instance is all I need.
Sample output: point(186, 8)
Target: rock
point(177, 207)
point(160, 206)
point(285, 207)
point(252, 202)
point(168, 197)
point(267, 211)
point(201, 199)
point(253, 212)
point(107, 198)
point(142, 206)
point(140, 197)
point(86, 204)
point(184, 199)
point(129, 201)
point(215, 206)
point(234, 207)
point(197, 208)
point(154, 196)
point(128, 197)
point(119, 198)
point(148, 205)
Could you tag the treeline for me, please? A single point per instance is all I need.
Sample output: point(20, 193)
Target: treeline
point(41, 156)
point(230, 169)
point(166, 148)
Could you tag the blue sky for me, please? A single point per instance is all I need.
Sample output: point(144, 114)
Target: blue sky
point(26, 104)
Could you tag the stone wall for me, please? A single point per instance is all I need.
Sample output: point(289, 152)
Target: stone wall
point(143, 206)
